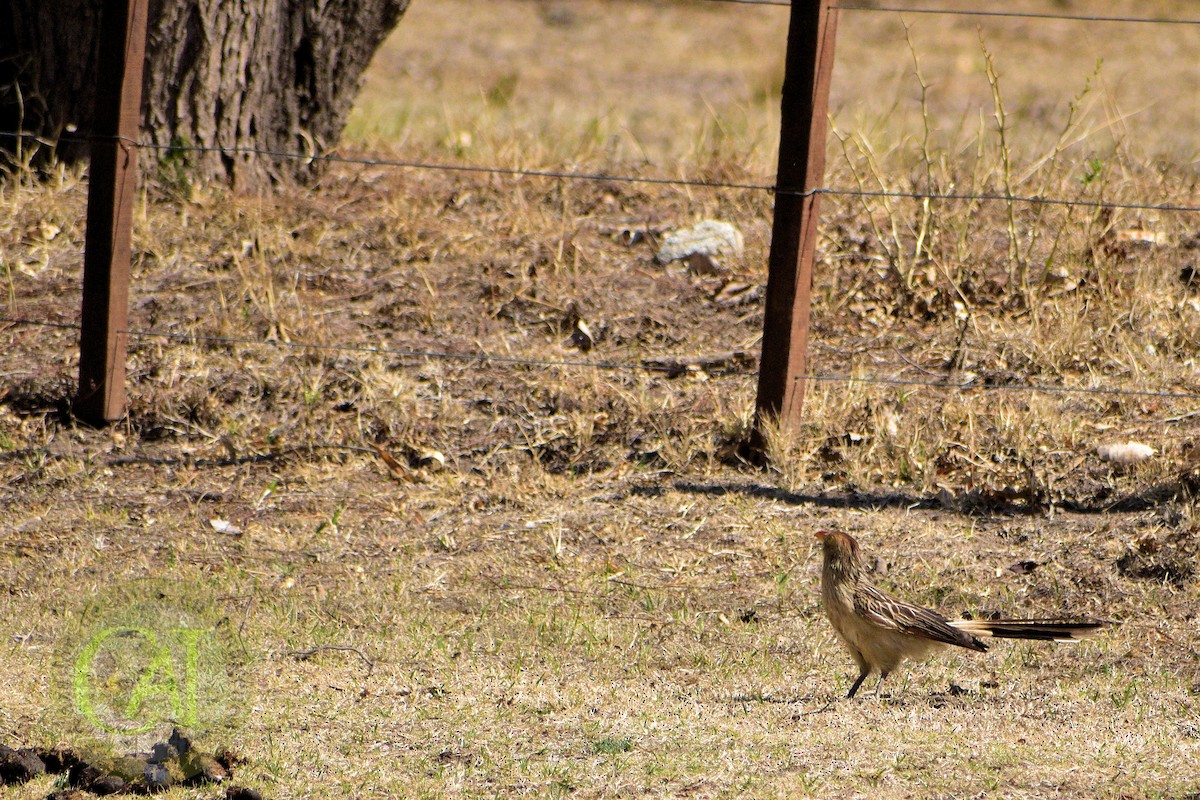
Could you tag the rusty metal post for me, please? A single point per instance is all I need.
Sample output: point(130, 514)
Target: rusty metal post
point(809, 67)
point(112, 176)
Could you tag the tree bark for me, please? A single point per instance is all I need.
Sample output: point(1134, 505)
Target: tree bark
point(274, 75)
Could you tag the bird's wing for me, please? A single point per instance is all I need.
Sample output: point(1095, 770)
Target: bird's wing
point(897, 615)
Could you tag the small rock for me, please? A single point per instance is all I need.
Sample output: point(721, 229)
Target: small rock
point(224, 526)
point(242, 793)
point(19, 766)
point(156, 777)
point(68, 794)
point(708, 237)
point(93, 779)
point(202, 768)
point(107, 784)
point(229, 758)
point(1125, 453)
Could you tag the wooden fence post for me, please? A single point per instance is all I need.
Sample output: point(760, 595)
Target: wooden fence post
point(812, 30)
point(112, 176)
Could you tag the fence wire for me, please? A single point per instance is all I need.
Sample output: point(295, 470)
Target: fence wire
point(599, 177)
point(966, 12)
point(963, 12)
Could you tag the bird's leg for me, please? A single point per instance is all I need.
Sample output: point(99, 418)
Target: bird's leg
point(862, 676)
point(879, 686)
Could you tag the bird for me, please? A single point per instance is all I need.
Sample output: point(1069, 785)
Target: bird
point(881, 631)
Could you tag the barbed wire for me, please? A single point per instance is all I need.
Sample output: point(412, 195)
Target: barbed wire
point(784, 3)
point(959, 12)
point(397, 163)
point(601, 177)
point(514, 171)
point(537, 173)
point(679, 365)
point(1031, 199)
point(1014, 14)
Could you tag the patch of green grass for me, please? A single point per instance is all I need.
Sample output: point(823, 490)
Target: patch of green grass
point(612, 746)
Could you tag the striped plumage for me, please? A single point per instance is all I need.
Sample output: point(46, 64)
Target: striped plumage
point(881, 631)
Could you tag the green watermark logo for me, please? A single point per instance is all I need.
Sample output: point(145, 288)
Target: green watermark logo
point(157, 694)
point(148, 657)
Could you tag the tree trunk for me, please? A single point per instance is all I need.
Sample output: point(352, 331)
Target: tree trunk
point(275, 75)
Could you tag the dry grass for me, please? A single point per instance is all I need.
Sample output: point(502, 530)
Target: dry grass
point(592, 597)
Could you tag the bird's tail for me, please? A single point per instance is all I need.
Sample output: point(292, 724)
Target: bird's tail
point(1047, 630)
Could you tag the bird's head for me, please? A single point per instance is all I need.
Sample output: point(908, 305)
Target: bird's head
point(839, 549)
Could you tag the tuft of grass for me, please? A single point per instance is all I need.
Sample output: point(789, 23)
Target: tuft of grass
point(612, 746)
